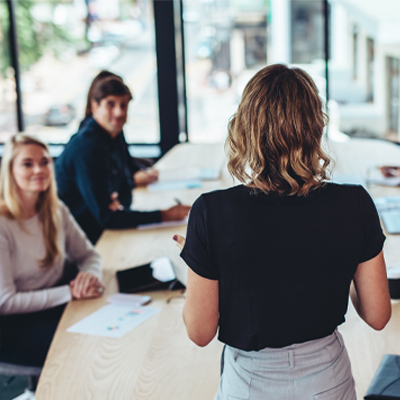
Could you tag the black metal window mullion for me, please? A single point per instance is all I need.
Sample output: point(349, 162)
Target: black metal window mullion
point(14, 62)
point(327, 46)
point(170, 72)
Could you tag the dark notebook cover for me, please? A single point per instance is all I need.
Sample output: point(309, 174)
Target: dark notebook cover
point(140, 279)
point(386, 383)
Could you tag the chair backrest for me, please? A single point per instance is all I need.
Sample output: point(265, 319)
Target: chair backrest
point(33, 373)
point(10, 369)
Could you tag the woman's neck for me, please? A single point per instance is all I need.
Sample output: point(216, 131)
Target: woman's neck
point(29, 202)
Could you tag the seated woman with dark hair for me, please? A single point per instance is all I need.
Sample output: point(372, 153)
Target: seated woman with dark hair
point(93, 172)
point(37, 236)
point(272, 261)
point(140, 168)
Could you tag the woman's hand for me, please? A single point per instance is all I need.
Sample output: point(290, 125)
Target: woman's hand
point(115, 205)
point(145, 177)
point(390, 172)
point(86, 286)
point(180, 241)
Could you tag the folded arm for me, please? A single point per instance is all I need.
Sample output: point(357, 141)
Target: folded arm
point(96, 188)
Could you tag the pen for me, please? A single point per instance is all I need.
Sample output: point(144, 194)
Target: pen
point(178, 201)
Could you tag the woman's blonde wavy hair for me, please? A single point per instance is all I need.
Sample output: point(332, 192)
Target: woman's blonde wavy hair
point(47, 206)
point(274, 139)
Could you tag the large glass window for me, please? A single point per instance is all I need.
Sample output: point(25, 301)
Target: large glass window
point(363, 69)
point(64, 44)
point(227, 41)
point(307, 27)
point(8, 115)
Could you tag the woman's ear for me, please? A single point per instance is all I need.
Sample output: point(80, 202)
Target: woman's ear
point(94, 105)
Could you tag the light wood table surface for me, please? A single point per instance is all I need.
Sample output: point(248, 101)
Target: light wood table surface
point(156, 360)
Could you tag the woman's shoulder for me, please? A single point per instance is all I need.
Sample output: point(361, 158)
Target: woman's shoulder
point(343, 189)
point(63, 209)
point(216, 196)
point(344, 195)
point(9, 230)
point(64, 212)
point(84, 142)
point(5, 223)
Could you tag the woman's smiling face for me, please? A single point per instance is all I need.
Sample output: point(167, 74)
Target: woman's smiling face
point(31, 169)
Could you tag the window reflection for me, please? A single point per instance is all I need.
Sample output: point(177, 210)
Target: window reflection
point(64, 45)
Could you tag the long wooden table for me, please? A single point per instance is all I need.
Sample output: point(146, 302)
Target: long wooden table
point(156, 360)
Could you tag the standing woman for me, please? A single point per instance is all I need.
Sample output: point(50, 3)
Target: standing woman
point(37, 236)
point(272, 261)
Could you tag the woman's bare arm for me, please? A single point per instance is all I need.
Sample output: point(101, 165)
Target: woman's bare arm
point(369, 292)
point(200, 312)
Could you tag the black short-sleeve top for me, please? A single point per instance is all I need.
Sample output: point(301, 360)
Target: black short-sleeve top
point(283, 264)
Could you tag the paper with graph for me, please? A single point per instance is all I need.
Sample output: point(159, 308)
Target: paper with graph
point(113, 320)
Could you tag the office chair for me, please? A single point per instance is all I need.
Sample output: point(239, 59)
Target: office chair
point(11, 370)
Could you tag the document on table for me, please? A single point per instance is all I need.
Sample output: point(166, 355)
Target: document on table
point(184, 174)
point(385, 181)
point(127, 299)
point(113, 320)
point(173, 185)
point(387, 203)
point(389, 211)
point(165, 224)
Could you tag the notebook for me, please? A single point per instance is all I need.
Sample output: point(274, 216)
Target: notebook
point(159, 274)
point(389, 211)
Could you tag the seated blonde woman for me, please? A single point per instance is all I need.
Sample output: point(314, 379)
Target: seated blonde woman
point(37, 236)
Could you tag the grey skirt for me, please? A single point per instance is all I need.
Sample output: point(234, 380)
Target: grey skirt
point(319, 369)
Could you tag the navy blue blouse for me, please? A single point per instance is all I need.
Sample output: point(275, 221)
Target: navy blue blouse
point(92, 166)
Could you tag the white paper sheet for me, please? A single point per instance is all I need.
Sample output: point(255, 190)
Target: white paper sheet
point(188, 174)
point(113, 320)
point(387, 203)
point(174, 185)
point(131, 300)
point(166, 224)
point(162, 269)
point(385, 181)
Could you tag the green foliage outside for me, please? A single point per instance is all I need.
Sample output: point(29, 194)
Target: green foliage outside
point(4, 49)
point(34, 38)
